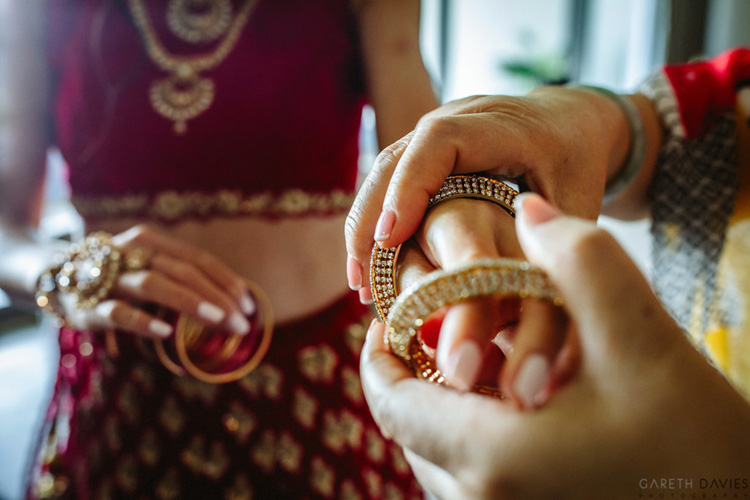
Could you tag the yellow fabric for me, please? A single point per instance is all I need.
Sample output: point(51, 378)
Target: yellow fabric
point(729, 344)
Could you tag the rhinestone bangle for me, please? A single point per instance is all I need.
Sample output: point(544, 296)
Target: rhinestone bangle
point(493, 278)
point(383, 281)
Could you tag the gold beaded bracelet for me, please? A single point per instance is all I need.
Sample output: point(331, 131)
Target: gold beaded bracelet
point(488, 278)
point(383, 280)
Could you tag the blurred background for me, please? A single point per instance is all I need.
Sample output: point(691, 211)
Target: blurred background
point(470, 47)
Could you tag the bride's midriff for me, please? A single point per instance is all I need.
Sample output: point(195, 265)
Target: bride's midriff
point(299, 262)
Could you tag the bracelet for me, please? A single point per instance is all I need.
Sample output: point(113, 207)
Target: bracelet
point(383, 281)
point(405, 313)
point(633, 164)
point(486, 278)
point(46, 292)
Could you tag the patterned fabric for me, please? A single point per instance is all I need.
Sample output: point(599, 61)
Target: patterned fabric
point(693, 193)
point(285, 117)
point(295, 428)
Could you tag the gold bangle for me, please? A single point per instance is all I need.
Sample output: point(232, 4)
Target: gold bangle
point(487, 278)
point(189, 333)
point(383, 279)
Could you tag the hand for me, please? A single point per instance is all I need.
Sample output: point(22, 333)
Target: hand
point(645, 403)
point(179, 277)
point(562, 142)
point(455, 233)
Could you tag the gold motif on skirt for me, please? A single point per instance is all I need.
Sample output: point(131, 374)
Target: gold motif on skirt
point(318, 364)
point(239, 421)
point(143, 376)
point(240, 489)
point(352, 385)
point(322, 478)
point(193, 389)
point(171, 416)
point(398, 460)
point(392, 492)
point(373, 483)
point(355, 336)
point(375, 446)
point(148, 449)
point(169, 486)
point(305, 408)
point(194, 455)
point(127, 403)
point(126, 474)
point(349, 491)
point(266, 380)
point(285, 452)
point(217, 462)
point(112, 434)
point(338, 433)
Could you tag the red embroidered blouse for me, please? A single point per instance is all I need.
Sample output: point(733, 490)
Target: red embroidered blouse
point(281, 135)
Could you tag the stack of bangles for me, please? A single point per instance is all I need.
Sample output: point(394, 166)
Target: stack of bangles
point(406, 312)
point(88, 271)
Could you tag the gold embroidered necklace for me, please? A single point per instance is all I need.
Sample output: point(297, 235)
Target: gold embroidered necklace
point(185, 93)
point(199, 21)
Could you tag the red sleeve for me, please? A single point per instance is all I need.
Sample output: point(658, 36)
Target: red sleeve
point(707, 89)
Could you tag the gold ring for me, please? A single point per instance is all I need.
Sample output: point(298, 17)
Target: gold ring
point(137, 259)
point(487, 278)
point(383, 279)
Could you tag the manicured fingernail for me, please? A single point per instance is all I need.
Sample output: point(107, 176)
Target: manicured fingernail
point(353, 273)
point(534, 209)
point(160, 328)
point(239, 324)
point(531, 380)
point(365, 295)
point(503, 340)
point(463, 365)
point(386, 221)
point(247, 304)
point(210, 312)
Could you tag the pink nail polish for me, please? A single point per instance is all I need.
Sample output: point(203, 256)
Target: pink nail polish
point(463, 365)
point(386, 221)
point(353, 273)
point(534, 209)
point(365, 295)
point(531, 380)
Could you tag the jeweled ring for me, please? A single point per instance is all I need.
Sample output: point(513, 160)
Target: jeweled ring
point(487, 278)
point(137, 259)
point(383, 280)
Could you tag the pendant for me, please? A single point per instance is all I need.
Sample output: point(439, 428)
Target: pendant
point(199, 21)
point(181, 100)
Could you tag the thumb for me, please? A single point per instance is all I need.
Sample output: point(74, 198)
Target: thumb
point(605, 294)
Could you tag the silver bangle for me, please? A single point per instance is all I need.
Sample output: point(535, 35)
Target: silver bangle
point(628, 173)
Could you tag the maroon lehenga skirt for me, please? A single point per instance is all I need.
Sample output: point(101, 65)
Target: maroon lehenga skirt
point(297, 427)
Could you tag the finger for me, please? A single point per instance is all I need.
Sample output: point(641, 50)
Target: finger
point(442, 145)
point(527, 376)
point(454, 234)
point(117, 314)
point(363, 216)
point(152, 286)
point(604, 292)
point(413, 411)
point(187, 275)
point(142, 236)
point(437, 481)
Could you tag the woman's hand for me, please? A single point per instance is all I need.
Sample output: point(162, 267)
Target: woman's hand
point(644, 404)
point(562, 142)
point(455, 233)
point(179, 277)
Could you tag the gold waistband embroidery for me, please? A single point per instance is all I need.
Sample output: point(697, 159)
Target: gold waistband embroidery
point(172, 205)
